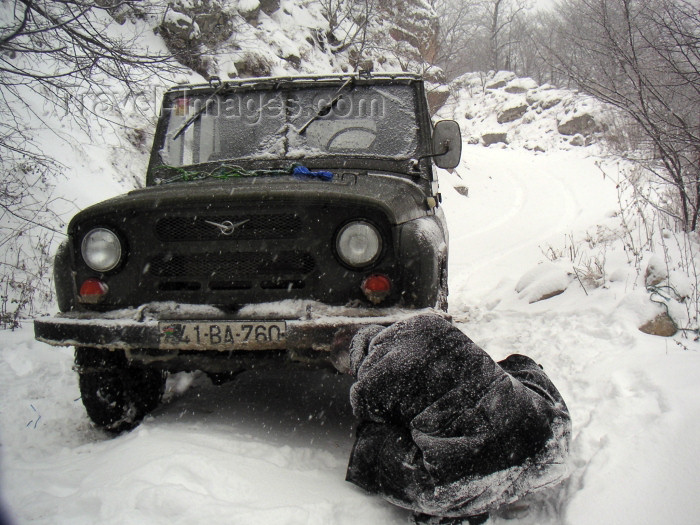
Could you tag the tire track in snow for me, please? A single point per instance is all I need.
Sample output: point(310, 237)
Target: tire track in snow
point(531, 207)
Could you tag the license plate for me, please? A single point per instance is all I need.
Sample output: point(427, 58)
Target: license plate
point(218, 335)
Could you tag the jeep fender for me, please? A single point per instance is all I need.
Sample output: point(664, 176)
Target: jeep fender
point(423, 253)
point(63, 280)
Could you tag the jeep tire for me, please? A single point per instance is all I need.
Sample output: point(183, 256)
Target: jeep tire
point(116, 395)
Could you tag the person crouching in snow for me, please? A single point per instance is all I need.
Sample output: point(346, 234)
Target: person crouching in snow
point(446, 431)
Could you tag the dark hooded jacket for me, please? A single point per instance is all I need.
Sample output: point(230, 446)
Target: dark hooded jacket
point(446, 430)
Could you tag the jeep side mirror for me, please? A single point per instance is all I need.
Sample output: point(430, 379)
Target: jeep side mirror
point(447, 144)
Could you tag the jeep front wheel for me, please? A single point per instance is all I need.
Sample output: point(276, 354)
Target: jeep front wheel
point(116, 395)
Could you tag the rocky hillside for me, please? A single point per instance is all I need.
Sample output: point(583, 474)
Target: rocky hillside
point(501, 109)
point(250, 38)
point(244, 38)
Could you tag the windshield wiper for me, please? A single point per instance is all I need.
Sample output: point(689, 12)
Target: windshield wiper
point(199, 112)
point(325, 109)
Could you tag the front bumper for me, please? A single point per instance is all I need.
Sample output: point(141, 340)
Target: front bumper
point(309, 325)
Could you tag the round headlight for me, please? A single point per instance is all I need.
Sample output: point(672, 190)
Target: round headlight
point(358, 244)
point(101, 249)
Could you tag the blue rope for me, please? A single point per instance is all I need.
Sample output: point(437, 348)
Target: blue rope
point(302, 172)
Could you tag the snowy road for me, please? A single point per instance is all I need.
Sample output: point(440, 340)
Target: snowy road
point(518, 202)
point(272, 448)
point(265, 449)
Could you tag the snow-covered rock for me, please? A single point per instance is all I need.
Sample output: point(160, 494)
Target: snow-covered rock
point(656, 272)
point(577, 124)
point(542, 282)
point(512, 110)
point(661, 325)
point(520, 85)
point(500, 79)
point(494, 137)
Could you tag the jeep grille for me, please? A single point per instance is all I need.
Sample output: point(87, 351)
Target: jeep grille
point(229, 265)
point(195, 228)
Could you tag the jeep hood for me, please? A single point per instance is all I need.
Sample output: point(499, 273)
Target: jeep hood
point(397, 197)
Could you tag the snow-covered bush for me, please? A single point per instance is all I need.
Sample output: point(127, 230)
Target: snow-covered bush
point(640, 248)
point(29, 229)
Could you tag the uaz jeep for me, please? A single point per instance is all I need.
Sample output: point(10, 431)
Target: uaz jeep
point(278, 212)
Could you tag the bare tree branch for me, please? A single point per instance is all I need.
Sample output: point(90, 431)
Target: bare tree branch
point(642, 58)
point(59, 53)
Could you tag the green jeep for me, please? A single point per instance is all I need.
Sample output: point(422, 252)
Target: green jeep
point(278, 213)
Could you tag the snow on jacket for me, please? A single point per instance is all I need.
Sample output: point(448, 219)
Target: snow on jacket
point(445, 430)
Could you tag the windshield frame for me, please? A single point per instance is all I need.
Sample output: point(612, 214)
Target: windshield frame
point(402, 164)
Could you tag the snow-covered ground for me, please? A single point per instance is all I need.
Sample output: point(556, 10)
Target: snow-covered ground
point(271, 448)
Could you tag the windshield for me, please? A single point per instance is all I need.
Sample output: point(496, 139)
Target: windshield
point(295, 123)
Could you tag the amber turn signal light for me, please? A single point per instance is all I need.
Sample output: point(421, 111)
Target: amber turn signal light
point(376, 288)
point(92, 291)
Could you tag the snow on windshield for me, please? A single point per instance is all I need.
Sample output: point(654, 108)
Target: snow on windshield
point(361, 121)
